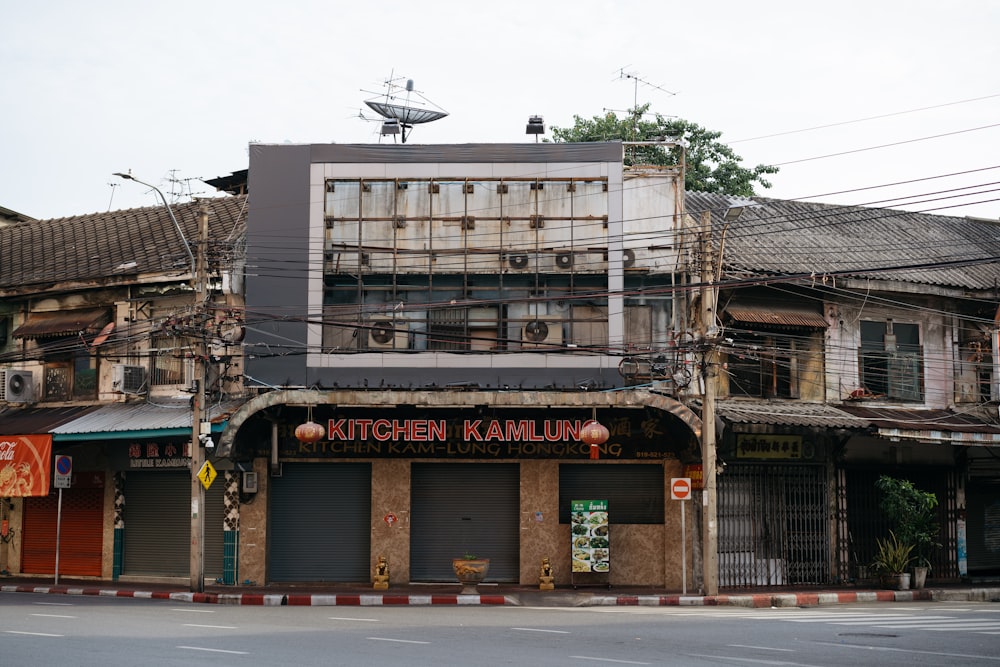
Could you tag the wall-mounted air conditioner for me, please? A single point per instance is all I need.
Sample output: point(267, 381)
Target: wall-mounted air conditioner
point(129, 379)
point(18, 386)
point(518, 261)
point(564, 260)
point(538, 334)
point(384, 334)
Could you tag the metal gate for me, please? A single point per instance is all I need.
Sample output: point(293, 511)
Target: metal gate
point(773, 526)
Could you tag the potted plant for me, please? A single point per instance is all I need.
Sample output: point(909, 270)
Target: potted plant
point(913, 514)
point(892, 559)
point(470, 570)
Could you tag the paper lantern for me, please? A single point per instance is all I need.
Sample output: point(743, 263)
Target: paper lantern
point(595, 434)
point(309, 432)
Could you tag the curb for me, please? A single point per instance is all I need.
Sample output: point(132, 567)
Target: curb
point(763, 600)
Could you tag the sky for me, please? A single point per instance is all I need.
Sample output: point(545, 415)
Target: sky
point(846, 98)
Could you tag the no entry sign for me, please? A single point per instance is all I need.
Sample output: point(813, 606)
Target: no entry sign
point(680, 488)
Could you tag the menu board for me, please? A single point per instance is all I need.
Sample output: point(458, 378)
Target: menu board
point(589, 533)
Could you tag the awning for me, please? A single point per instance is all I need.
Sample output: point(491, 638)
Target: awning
point(63, 323)
point(787, 413)
point(27, 421)
point(930, 426)
point(775, 317)
point(120, 421)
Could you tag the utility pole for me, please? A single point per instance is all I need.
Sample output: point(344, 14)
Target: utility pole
point(200, 282)
point(709, 372)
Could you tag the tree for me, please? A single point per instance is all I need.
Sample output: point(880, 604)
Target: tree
point(711, 166)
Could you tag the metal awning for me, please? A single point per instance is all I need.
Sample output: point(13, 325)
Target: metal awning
point(930, 426)
point(119, 421)
point(775, 317)
point(28, 421)
point(63, 323)
point(787, 413)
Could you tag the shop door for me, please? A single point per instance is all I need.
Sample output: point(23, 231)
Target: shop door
point(158, 524)
point(80, 540)
point(982, 498)
point(460, 508)
point(320, 523)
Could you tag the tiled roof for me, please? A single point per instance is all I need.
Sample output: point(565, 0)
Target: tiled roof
point(819, 240)
point(103, 247)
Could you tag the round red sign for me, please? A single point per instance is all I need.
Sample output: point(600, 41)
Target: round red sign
point(680, 488)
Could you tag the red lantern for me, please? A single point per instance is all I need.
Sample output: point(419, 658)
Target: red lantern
point(309, 432)
point(595, 434)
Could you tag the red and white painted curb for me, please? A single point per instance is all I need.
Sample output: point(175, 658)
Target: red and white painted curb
point(763, 599)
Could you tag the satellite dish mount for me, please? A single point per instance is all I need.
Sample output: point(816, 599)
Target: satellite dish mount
point(402, 107)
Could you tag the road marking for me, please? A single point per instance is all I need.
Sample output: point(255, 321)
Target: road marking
point(555, 632)
point(54, 604)
point(33, 634)
point(398, 641)
point(194, 611)
point(886, 649)
point(52, 615)
point(617, 662)
point(743, 660)
point(349, 618)
point(213, 627)
point(212, 650)
point(761, 648)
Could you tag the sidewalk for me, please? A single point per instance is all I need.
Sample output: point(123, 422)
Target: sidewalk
point(489, 594)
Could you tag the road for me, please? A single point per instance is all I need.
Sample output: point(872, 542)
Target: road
point(56, 630)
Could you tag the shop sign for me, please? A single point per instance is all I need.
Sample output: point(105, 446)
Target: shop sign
point(693, 471)
point(25, 465)
point(590, 535)
point(765, 446)
point(147, 455)
point(631, 437)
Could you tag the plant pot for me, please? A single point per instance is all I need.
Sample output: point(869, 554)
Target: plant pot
point(470, 572)
point(919, 577)
point(897, 582)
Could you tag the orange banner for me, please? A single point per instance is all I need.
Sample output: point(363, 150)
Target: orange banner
point(25, 465)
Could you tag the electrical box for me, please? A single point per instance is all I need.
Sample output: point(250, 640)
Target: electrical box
point(249, 482)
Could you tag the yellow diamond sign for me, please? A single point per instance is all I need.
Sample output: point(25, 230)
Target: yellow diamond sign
point(207, 474)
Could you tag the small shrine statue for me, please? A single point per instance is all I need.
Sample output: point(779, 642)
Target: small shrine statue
point(381, 577)
point(545, 576)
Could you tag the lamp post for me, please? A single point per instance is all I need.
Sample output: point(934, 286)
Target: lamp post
point(707, 332)
point(198, 283)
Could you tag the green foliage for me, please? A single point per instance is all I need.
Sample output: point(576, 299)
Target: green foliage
point(913, 515)
point(710, 166)
point(893, 555)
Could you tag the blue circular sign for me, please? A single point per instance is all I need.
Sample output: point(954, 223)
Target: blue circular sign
point(64, 465)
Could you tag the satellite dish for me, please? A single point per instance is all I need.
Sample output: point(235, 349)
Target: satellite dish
point(400, 110)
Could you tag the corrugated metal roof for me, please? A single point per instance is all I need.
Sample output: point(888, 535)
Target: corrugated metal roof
point(28, 421)
point(780, 317)
point(63, 323)
point(791, 413)
point(151, 416)
point(921, 420)
point(779, 237)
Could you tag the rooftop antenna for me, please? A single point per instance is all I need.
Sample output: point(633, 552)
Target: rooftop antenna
point(401, 112)
point(636, 80)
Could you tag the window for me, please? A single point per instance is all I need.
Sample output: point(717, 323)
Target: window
point(891, 360)
point(763, 365)
point(634, 491)
point(169, 360)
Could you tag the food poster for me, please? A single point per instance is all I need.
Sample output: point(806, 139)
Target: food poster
point(589, 532)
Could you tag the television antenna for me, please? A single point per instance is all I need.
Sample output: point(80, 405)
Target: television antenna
point(401, 107)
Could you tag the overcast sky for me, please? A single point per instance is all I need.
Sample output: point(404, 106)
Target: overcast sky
point(899, 91)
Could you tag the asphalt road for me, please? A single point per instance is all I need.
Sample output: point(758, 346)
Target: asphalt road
point(40, 630)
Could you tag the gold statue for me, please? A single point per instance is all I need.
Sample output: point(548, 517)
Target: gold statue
point(381, 574)
point(545, 576)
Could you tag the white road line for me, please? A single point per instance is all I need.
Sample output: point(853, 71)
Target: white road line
point(193, 611)
point(617, 662)
point(54, 604)
point(52, 615)
point(398, 641)
point(888, 649)
point(212, 627)
point(555, 632)
point(33, 634)
point(212, 650)
point(349, 618)
point(760, 648)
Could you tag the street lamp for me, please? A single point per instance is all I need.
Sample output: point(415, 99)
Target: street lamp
point(198, 284)
point(187, 246)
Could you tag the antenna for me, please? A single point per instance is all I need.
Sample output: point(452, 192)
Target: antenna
point(400, 113)
point(636, 80)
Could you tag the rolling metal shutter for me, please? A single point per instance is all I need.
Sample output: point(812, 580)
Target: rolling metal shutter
point(459, 508)
point(158, 524)
point(982, 499)
point(320, 523)
point(80, 539)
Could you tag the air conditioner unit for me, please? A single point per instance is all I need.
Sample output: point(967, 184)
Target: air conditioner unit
point(628, 258)
point(518, 261)
point(129, 379)
point(564, 260)
point(384, 334)
point(541, 335)
point(18, 387)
